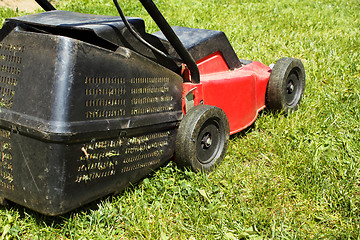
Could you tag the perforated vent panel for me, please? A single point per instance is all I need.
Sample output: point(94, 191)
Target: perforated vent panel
point(6, 161)
point(102, 159)
point(104, 97)
point(10, 69)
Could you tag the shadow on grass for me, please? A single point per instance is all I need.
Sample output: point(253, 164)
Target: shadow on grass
point(55, 221)
point(252, 127)
point(244, 132)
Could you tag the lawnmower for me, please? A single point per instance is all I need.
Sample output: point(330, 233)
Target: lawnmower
point(92, 104)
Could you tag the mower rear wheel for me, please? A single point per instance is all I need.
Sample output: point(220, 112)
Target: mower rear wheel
point(202, 138)
point(286, 85)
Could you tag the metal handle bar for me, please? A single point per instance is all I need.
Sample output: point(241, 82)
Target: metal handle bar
point(166, 29)
point(174, 40)
point(45, 5)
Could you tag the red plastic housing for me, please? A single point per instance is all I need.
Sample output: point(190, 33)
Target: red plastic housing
point(240, 93)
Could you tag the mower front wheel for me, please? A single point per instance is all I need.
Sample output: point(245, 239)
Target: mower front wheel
point(202, 138)
point(286, 85)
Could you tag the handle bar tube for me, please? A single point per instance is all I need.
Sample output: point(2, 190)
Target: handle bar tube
point(174, 40)
point(46, 5)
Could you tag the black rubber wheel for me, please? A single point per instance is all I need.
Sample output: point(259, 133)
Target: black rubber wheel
point(202, 138)
point(286, 85)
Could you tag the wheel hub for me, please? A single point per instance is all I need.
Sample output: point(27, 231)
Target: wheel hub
point(209, 142)
point(290, 87)
point(292, 90)
point(206, 141)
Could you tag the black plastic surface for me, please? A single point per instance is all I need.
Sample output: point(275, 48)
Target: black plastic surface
point(79, 121)
point(201, 43)
point(54, 178)
point(104, 31)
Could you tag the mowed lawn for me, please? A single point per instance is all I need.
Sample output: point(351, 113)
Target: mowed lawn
point(294, 177)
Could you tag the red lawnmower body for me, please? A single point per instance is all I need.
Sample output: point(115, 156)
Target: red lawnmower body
point(240, 93)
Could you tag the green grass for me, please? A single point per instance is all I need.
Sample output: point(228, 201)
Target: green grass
point(294, 177)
